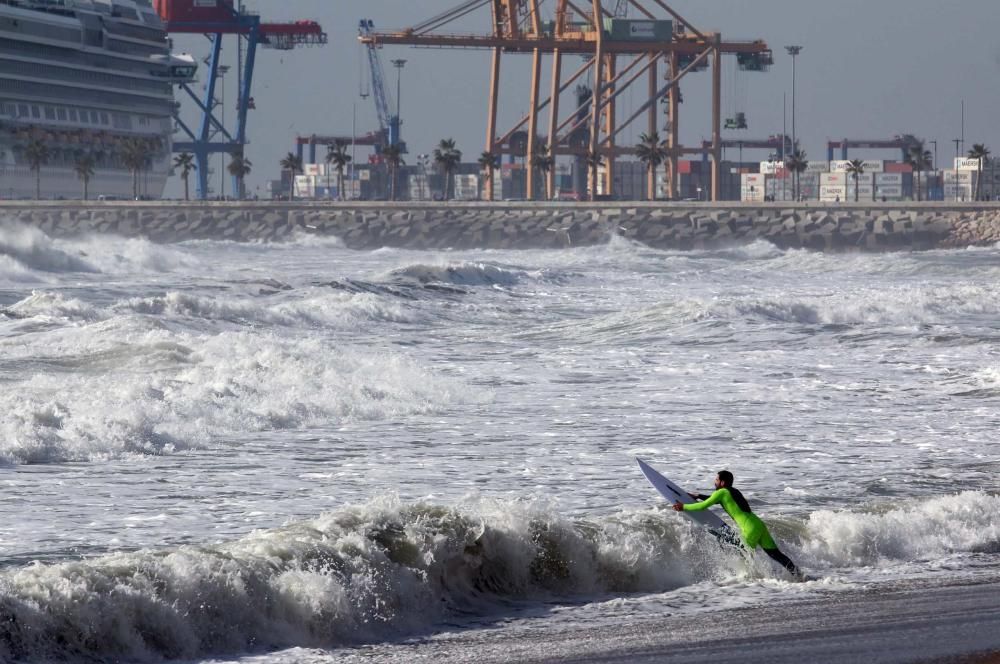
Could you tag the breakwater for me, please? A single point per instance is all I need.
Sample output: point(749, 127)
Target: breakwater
point(820, 227)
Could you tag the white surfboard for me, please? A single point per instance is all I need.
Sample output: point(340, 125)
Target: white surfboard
point(673, 493)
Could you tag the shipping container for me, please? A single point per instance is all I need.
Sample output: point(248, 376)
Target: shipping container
point(964, 164)
point(870, 166)
point(621, 29)
point(832, 179)
point(889, 179)
point(958, 192)
point(832, 193)
point(889, 192)
point(195, 11)
point(959, 177)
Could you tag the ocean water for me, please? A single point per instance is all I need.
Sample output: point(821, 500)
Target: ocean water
point(214, 451)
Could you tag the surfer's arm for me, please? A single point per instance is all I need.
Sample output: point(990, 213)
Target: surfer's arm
point(705, 504)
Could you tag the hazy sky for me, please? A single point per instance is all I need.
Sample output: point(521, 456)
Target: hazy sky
point(869, 69)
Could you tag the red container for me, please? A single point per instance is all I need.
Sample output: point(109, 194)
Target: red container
point(897, 167)
point(195, 11)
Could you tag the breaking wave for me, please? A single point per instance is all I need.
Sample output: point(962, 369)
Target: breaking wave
point(387, 569)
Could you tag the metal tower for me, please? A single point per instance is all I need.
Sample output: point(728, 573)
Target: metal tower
point(216, 21)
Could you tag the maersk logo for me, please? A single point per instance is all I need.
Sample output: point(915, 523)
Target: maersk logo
point(642, 29)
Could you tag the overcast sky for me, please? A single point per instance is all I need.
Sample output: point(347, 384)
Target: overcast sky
point(868, 69)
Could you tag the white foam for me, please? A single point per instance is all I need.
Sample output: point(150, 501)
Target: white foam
point(363, 573)
point(31, 249)
point(131, 386)
point(967, 522)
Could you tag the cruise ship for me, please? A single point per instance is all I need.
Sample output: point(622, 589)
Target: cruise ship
point(93, 81)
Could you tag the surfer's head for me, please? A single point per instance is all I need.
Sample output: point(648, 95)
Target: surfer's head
point(724, 479)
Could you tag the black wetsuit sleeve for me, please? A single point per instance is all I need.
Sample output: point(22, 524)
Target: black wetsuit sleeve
point(701, 496)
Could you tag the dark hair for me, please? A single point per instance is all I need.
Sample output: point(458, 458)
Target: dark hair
point(741, 501)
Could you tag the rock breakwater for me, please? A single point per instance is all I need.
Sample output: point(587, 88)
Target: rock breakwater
point(876, 227)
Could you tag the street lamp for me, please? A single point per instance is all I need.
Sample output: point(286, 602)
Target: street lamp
point(398, 64)
point(794, 52)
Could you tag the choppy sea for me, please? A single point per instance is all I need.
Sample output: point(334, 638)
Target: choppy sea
point(226, 452)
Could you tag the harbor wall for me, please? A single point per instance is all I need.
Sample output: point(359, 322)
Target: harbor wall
point(841, 227)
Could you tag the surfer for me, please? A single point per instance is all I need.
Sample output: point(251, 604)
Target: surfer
point(753, 529)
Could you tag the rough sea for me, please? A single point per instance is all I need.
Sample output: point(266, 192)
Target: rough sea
point(297, 452)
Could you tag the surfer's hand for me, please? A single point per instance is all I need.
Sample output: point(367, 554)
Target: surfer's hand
point(678, 506)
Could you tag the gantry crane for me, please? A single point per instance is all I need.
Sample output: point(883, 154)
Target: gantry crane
point(603, 37)
point(216, 20)
point(903, 143)
point(389, 122)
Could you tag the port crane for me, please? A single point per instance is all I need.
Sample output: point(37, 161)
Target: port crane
point(217, 20)
point(605, 39)
point(904, 143)
point(389, 122)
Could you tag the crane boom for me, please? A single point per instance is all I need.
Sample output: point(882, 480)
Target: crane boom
point(388, 123)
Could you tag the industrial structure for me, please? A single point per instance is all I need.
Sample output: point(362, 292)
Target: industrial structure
point(904, 144)
point(217, 19)
point(617, 52)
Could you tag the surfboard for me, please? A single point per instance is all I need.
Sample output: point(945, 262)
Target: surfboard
point(673, 493)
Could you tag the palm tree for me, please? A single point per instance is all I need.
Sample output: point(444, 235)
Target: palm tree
point(796, 163)
point(856, 168)
point(185, 162)
point(487, 164)
point(393, 155)
point(920, 160)
point(447, 157)
point(135, 154)
point(37, 154)
point(982, 154)
point(543, 162)
point(239, 168)
point(594, 161)
point(652, 152)
point(84, 168)
point(292, 163)
point(336, 154)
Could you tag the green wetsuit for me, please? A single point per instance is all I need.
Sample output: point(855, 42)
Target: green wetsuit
point(753, 529)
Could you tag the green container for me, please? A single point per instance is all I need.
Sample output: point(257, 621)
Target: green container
point(623, 29)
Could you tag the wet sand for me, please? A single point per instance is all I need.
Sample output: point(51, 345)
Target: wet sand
point(889, 623)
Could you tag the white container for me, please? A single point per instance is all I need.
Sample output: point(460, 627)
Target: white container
point(752, 195)
point(966, 164)
point(960, 177)
point(865, 192)
point(753, 179)
point(870, 165)
point(771, 167)
point(818, 167)
point(832, 179)
point(863, 179)
point(889, 191)
point(832, 193)
point(958, 192)
point(305, 186)
point(889, 179)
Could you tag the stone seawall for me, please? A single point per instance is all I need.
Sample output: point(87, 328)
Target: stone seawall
point(844, 227)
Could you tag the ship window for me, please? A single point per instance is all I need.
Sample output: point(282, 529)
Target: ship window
point(35, 113)
point(72, 115)
point(50, 113)
point(22, 110)
point(105, 119)
point(61, 114)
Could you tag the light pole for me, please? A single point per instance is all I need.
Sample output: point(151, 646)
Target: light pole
point(934, 165)
point(398, 64)
point(794, 52)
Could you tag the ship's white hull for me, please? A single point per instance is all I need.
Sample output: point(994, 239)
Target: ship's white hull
point(18, 183)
